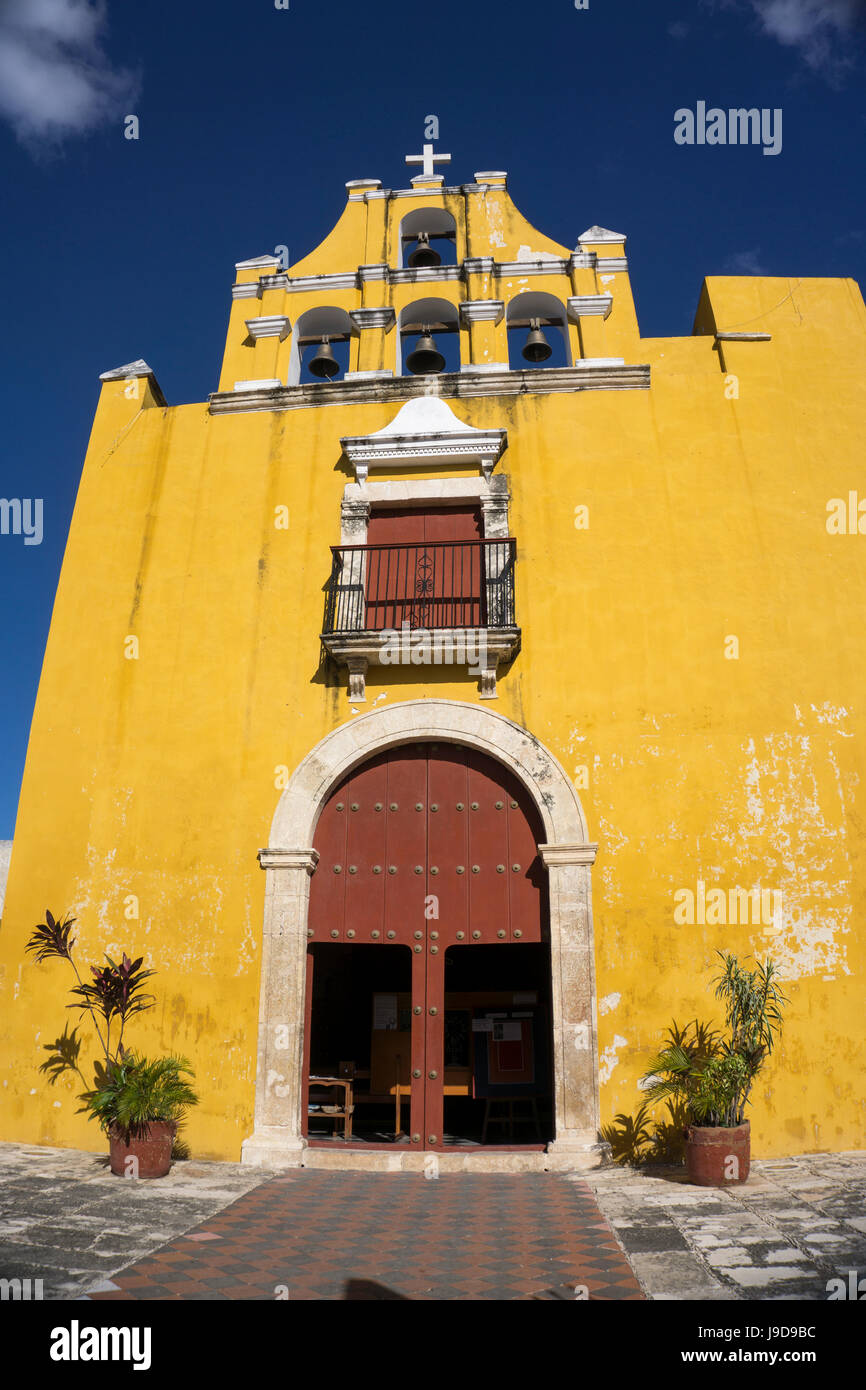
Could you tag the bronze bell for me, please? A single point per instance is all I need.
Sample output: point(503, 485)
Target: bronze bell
point(536, 348)
point(424, 254)
point(325, 363)
point(426, 356)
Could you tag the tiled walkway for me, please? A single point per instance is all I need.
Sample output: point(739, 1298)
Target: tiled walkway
point(328, 1235)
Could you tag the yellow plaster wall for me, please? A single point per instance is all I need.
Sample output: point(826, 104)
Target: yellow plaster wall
point(157, 777)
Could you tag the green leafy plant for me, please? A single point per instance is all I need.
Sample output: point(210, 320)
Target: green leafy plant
point(706, 1077)
point(129, 1091)
point(111, 998)
point(138, 1092)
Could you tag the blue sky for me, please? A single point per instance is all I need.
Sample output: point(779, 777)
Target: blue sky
point(252, 119)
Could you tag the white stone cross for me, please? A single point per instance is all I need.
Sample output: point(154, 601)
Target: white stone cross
point(428, 159)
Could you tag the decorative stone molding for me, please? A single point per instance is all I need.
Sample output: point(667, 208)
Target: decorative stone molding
point(373, 272)
point(380, 317)
point(606, 375)
point(277, 1140)
point(554, 856)
point(553, 265)
point(582, 306)
point(601, 236)
point(584, 362)
point(425, 431)
point(136, 371)
point(491, 495)
point(289, 859)
point(485, 649)
point(257, 262)
point(482, 310)
point(375, 374)
point(131, 370)
point(484, 366)
point(423, 274)
point(271, 383)
point(361, 189)
point(409, 275)
point(743, 337)
point(269, 326)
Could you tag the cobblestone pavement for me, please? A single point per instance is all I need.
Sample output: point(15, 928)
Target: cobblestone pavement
point(223, 1231)
point(65, 1220)
point(796, 1224)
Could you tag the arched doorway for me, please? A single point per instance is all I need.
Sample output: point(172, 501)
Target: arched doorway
point(290, 864)
point(429, 952)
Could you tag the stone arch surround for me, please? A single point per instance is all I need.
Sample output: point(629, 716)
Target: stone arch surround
point(290, 860)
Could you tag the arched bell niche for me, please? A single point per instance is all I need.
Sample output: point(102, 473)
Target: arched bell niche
point(314, 325)
point(440, 228)
point(442, 319)
point(550, 313)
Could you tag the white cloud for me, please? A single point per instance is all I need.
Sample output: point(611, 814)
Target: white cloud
point(55, 80)
point(745, 263)
point(820, 29)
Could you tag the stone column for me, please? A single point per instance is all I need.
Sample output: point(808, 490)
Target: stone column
point(576, 1108)
point(278, 1141)
point(487, 347)
point(590, 311)
point(373, 323)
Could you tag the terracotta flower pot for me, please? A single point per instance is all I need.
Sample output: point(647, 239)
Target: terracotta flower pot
point(717, 1157)
point(148, 1157)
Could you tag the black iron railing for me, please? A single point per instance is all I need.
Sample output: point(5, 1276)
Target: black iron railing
point(433, 585)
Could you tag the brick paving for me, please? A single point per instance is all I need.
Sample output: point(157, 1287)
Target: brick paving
point(374, 1236)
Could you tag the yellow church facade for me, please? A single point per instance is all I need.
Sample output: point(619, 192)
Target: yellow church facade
point(608, 602)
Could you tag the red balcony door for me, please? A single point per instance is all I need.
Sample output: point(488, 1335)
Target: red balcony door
point(428, 846)
point(427, 572)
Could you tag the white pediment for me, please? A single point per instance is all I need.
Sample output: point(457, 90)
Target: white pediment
point(425, 431)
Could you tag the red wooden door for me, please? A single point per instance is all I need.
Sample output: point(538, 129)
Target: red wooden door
point(424, 568)
point(428, 845)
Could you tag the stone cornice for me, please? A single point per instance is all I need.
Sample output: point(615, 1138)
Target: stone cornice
point(289, 859)
point(502, 643)
point(380, 316)
point(135, 371)
point(558, 856)
point(410, 275)
point(269, 326)
point(581, 306)
point(419, 275)
point(424, 432)
point(743, 337)
point(449, 386)
point(555, 265)
point(482, 310)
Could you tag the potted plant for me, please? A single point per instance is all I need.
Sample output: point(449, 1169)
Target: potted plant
point(711, 1075)
point(139, 1102)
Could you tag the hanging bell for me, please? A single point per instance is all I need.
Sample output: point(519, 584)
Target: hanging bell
point(324, 363)
point(426, 357)
point(536, 348)
point(423, 253)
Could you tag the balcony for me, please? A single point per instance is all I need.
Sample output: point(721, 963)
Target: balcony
point(422, 604)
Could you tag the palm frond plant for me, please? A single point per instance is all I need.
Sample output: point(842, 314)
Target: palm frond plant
point(138, 1092)
point(706, 1076)
point(136, 1100)
point(112, 997)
